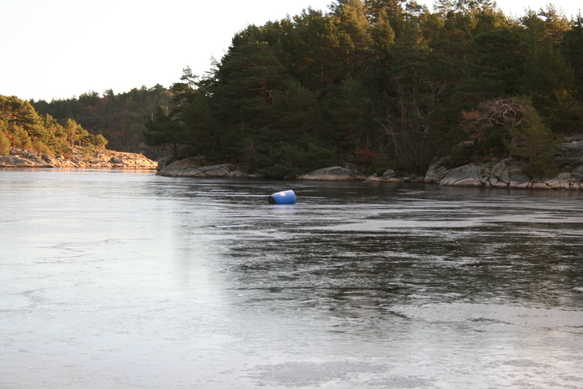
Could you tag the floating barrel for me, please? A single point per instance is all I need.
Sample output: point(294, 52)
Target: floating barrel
point(285, 197)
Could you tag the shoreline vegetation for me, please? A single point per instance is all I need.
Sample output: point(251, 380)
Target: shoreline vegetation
point(30, 140)
point(375, 90)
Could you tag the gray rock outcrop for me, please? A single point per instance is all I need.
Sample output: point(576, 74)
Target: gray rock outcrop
point(570, 153)
point(390, 176)
point(507, 173)
point(510, 173)
point(436, 172)
point(334, 173)
point(466, 175)
point(191, 167)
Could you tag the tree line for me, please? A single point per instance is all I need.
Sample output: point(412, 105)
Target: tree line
point(120, 117)
point(373, 83)
point(23, 128)
point(382, 83)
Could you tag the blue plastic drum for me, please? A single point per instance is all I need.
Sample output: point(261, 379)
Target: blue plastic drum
point(285, 197)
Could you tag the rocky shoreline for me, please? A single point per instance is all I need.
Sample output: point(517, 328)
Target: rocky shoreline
point(504, 173)
point(509, 172)
point(194, 167)
point(333, 173)
point(80, 158)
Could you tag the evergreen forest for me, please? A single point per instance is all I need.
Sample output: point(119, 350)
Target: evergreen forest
point(374, 84)
point(119, 117)
point(23, 128)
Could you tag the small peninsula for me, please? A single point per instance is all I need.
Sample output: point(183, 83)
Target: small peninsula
point(30, 140)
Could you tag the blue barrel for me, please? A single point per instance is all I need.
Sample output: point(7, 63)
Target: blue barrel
point(285, 197)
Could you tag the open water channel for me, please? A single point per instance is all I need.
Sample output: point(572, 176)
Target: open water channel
point(130, 280)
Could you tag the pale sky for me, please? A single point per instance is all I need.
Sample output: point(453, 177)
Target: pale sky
point(62, 48)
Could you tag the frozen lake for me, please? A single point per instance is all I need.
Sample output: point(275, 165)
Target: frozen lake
point(130, 280)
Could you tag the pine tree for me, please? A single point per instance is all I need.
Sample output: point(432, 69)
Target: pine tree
point(382, 33)
point(4, 143)
point(572, 48)
point(353, 22)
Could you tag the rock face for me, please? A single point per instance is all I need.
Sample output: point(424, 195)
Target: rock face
point(334, 173)
point(436, 171)
point(190, 167)
point(570, 153)
point(467, 175)
point(509, 173)
point(389, 173)
point(17, 161)
point(390, 176)
point(80, 158)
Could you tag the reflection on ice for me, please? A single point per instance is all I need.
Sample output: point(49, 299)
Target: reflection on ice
point(380, 225)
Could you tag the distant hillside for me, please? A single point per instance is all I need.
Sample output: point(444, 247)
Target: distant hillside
point(119, 117)
point(23, 128)
point(30, 140)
